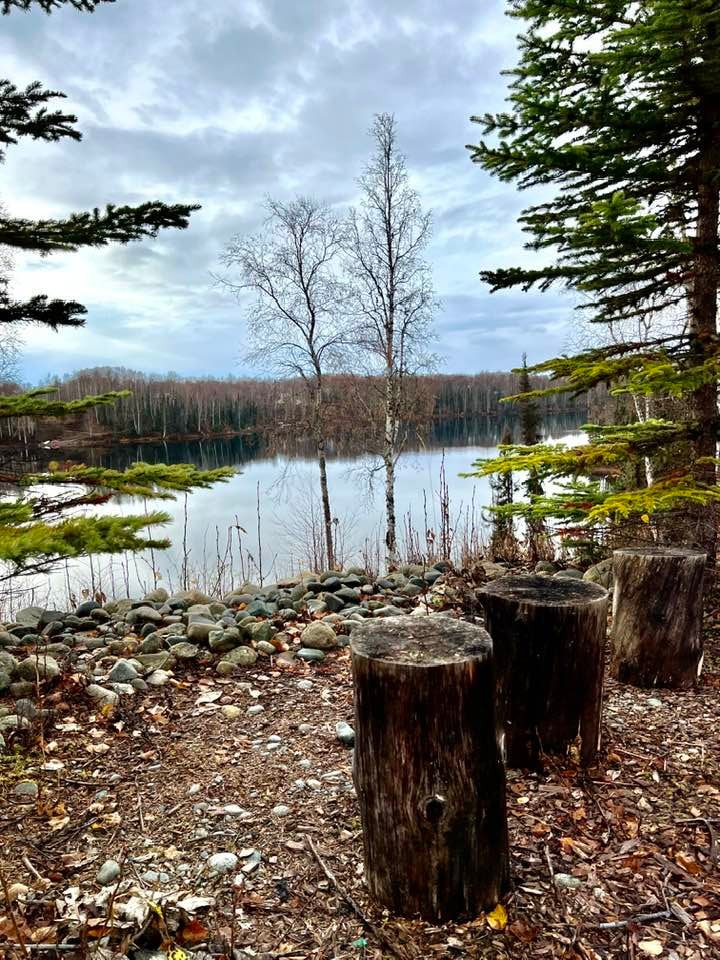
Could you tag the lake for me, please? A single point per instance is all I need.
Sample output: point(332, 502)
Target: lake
point(264, 523)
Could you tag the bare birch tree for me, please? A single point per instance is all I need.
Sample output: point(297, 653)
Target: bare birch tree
point(390, 290)
point(294, 325)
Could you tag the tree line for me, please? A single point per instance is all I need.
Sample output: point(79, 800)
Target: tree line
point(172, 407)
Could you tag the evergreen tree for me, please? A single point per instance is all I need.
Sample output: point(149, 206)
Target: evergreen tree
point(530, 435)
point(37, 527)
point(503, 542)
point(616, 105)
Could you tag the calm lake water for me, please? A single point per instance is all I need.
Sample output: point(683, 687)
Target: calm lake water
point(223, 522)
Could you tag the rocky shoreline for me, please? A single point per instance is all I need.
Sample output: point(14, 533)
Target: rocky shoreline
point(123, 647)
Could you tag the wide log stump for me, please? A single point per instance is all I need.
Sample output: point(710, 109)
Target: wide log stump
point(549, 640)
point(428, 770)
point(657, 616)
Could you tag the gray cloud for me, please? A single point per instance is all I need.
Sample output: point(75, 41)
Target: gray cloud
point(223, 104)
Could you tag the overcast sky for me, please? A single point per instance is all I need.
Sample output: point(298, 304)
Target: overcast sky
point(223, 102)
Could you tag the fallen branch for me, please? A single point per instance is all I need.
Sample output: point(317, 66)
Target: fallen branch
point(638, 919)
point(367, 922)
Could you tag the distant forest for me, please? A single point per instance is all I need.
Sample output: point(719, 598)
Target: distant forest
point(171, 407)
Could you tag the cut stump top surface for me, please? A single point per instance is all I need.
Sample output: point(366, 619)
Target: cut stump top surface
point(545, 591)
point(420, 641)
point(668, 552)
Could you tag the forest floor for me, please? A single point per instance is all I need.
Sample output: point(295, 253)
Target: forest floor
point(164, 784)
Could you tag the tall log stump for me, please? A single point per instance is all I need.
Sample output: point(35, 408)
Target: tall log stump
point(428, 770)
point(549, 641)
point(657, 616)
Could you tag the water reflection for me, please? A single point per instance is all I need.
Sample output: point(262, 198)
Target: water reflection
point(268, 512)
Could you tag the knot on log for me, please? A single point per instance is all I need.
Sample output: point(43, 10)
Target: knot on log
point(434, 808)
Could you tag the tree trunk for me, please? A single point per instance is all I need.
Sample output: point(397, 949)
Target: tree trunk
point(389, 452)
point(324, 491)
point(657, 616)
point(703, 309)
point(549, 640)
point(428, 770)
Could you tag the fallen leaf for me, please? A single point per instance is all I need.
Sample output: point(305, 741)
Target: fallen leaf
point(57, 823)
point(653, 948)
point(193, 932)
point(497, 919)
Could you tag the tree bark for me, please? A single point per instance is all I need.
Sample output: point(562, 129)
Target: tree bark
point(549, 640)
point(428, 770)
point(704, 307)
point(318, 430)
point(389, 454)
point(657, 616)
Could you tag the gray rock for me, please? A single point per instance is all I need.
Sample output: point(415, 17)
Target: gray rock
point(155, 661)
point(348, 594)
point(102, 694)
point(319, 636)
point(143, 615)
point(29, 616)
point(158, 595)
point(108, 873)
point(200, 630)
point(241, 657)
point(39, 665)
point(185, 651)
point(567, 881)
point(305, 684)
point(123, 672)
point(231, 712)
point(5, 681)
point(26, 790)
point(281, 810)
point(26, 708)
point(316, 606)
point(221, 863)
point(13, 722)
point(411, 590)
point(333, 602)
point(601, 573)
point(85, 608)
point(155, 643)
point(389, 611)
point(158, 678)
point(262, 631)
point(569, 574)
point(265, 648)
point(345, 733)
point(309, 654)
point(258, 608)
point(8, 662)
point(255, 710)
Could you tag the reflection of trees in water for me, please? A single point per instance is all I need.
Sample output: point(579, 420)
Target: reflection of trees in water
point(235, 451)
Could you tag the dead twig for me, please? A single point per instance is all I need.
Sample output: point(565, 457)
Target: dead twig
point(708, 824)
point(637, 919)
point(31, 868)
point(11, 913)
point(372, 927)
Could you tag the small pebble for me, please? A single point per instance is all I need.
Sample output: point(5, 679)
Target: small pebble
point(220, 863)
point(281, 810)
point(108, 873)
